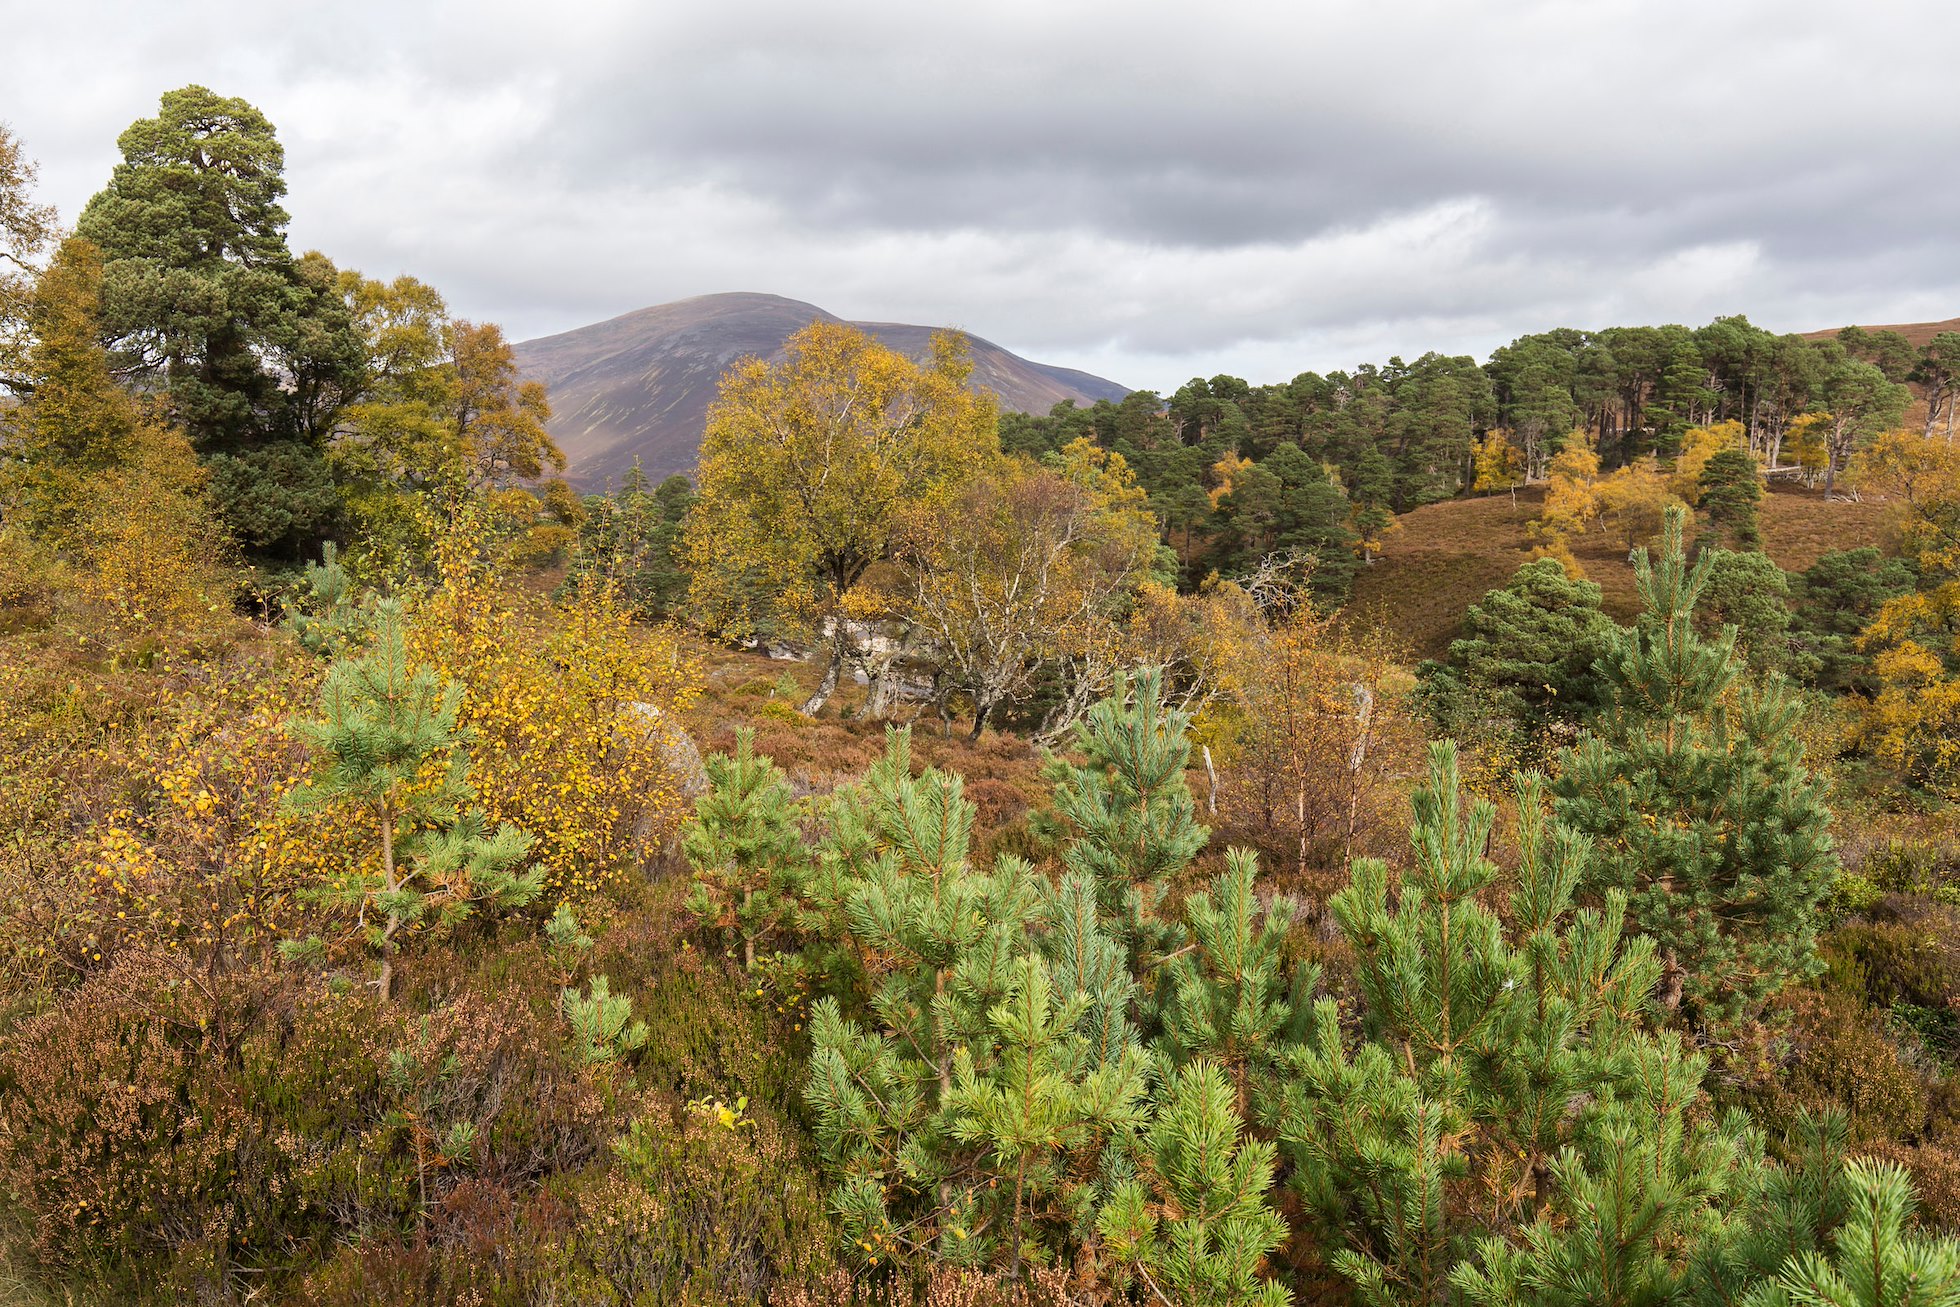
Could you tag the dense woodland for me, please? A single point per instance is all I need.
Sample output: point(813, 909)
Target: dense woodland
point(950, 857)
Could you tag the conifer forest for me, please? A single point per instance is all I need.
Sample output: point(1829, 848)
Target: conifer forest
point(1441, 832)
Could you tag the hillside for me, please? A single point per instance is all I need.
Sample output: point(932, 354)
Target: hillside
point(1917, 334)
point(1442, 558)
point(639, 385)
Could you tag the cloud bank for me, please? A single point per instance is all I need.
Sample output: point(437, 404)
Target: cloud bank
point(1148, 191)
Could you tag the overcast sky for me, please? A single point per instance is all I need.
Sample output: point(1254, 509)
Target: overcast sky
point(1148, 191)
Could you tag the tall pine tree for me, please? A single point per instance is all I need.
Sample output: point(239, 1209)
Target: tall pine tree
point(1731, 487)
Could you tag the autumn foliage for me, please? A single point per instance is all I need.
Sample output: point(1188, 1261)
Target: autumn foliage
point(573, 712)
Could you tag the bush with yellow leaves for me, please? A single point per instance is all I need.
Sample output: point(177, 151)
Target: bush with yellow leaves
point(152, 552)
point(572, 707)
point(145, 806)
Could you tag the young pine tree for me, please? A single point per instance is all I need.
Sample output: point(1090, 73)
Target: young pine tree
point(1501, 1075)
point(1693, 789)
point(1646, 1177)
point(981, 1076)
point(1824, 1231)
point(327, 614)
point(931, 954)
point(1134, 821)
point(387, 746)
point(1792, 1210)
point(1229, 1000)
point(745, 847)
point(1876, 1260)
point(1201, 1237)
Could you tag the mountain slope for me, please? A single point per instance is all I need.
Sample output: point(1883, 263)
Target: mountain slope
point(1441, 558)
point(639, 385)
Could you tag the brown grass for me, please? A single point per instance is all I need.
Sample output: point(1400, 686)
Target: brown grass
point(1442, 558)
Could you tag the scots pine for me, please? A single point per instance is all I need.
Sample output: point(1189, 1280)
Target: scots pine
point(387, 745)
point(1205, 1231)
point(989, 1085)
point(1692, 786)
point(1502, 1074)
point(1132, 819)
point(745, 847)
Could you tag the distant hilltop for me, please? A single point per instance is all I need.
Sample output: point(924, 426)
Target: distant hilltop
point(1917, 334)
point(638, 386)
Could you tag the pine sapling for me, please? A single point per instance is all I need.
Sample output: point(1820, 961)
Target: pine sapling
point(387, 744)
point(1201, 1226)
point(603, 1028)
point(745, 846)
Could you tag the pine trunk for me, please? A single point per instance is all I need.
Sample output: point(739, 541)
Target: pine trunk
point(386, 981)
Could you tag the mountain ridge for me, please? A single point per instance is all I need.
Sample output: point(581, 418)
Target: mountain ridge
point(637, 387)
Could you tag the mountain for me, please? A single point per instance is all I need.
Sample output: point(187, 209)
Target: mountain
point(639, 385)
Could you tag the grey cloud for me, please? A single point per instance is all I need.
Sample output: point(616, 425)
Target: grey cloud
point(1149, 190)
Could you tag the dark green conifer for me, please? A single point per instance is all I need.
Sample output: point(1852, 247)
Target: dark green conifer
point(1692, 786)
point(1522, 671)
point(1731, 487)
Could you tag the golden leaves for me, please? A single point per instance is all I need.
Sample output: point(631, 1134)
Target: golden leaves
point(811, 467)
point(560, 744)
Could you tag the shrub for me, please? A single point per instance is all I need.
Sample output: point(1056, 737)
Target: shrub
point(182, 1127)
point(696, 1211)
point(996, 802)
point(708, 1032)
point(778, 711)
point(1935, 1171)
point(1898, 962)
point(564, 748)
point(946, 1286)
point(1909, 866)
point(1905, 961)
point(118, 1138)
point(481, 1247)
point(1838, 1056)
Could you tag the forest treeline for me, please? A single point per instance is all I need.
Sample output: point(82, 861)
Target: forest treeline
point(1322, 463)
point(423, 886)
